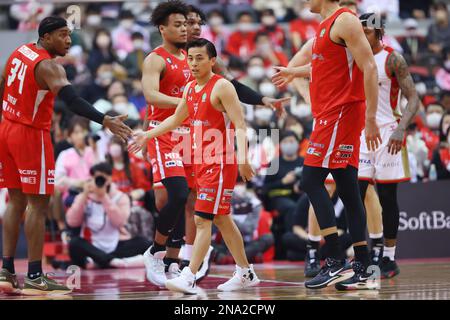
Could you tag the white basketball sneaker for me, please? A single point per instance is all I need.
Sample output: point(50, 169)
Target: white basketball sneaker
point(206, 264)
point(242, 278)
point(154, 267)
point(185, 283)
point(173, 271)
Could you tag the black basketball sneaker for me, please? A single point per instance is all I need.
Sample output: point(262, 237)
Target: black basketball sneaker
point(388, 268)
point(361, 280)
point(333, 271)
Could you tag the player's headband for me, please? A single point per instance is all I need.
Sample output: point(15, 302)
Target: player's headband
point(51, 24)
point(372, 20)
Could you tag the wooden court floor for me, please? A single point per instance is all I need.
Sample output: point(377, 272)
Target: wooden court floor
point(418, 280)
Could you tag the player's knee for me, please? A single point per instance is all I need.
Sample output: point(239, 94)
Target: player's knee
point(202, 223)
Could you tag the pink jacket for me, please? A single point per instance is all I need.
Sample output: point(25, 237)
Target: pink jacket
point(118, 212)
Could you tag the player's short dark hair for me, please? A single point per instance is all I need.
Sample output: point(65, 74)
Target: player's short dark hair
point(194, 9)
point(200, 43)
point(103, 167)
point(162, 12)
point(50, 24)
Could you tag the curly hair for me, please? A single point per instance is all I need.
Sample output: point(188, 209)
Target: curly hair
point(162, 12)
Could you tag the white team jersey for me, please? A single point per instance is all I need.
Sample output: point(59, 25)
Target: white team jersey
point(388, 91)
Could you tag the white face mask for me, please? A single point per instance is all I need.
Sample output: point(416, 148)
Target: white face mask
point(301, 110)
point(245, 27)
point(94, 20)
point(263, 114)
point(127, 24)
point(138, 44)
point(289, 148)
point(268, 20)
point(433, 120)
point(256, 72)
point(115, 150)
point(215, 21)
point(267, 89)
point(105, 78)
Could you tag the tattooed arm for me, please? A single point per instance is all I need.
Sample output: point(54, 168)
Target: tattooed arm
point(398, 68)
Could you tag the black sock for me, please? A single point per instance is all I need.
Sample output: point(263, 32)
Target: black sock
point(8, 264)
point(34, 269)
point(332, 241)
point(378, 242)
point(156, 247)
point(362, 255)
point(169, 261)
point(312, 245)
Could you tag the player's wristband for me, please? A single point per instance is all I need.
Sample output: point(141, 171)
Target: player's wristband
point(78, 105)
point(246, 94)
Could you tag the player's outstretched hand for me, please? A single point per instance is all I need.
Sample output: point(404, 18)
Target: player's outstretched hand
point(373, 138)
point(246, 171)
point(117, 127)
point(276, 104)
point(396, 141)
point(282, 77)
point(139, 141)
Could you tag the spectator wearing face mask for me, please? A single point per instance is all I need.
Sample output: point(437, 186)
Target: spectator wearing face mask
point(272, 29)
point(445, 100)
point(256, 72)
point(242, 41)
point(122, 35)
point(443, 74)
point(430, 130)
point(272, 55)
point(104, 210)
point(30, 13)
point(418, 152)
point(263, 118)
point(441, 157)
point(278, 189)
point(413, 44)
point(304, 27)
point(102, 51)
point(439, 31)
point(98, 87)
point(216, 31)
point(135, 59)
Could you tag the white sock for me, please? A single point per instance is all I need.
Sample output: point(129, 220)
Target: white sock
point(376, 235)
point(389, 252)
point(314, 238)
point(187, 252)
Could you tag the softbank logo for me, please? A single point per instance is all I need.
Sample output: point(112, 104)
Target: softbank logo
point(436, 220)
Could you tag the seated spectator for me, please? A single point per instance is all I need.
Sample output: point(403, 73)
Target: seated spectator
point(418, 152)
point(439, 31)
point(245, 209)
point(272, 55)
point(98, 87)
point(122, 39)
point(256, 72)
point(304, 27)
point(417, 9)
point(430, 131)
point(445, 99)
point(441, 158)
point(269, 26)
point(102, 51)
point(443, 73)
point(136, 96)
point(241, 42)
point(135, 59)
point(278, 189)
point(413, 44)
point(104, 210)
point(73, 165)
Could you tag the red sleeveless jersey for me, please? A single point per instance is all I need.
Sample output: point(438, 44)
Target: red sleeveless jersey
point(336, 80)
point(212, 130)
point(173, 82)
point(23, 101)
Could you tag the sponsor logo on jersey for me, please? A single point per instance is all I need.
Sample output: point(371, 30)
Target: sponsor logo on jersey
point(50, 181)
point(205, 197)
point(226, 199)
point(313, 152)
point(208, 190)
point(197, 123)
point(316, 145)
point(28, 180)
point(343, 155)
point(173, 163)
point(187, 73)
point(227, 192)
point(51, 173)
point(12, 100)
point(365, 161)
point(204, 97)
point(317, 56)
point(172, 155)
point(27, 52)
point(27, 172)
point(169, 60)
point(346, 147)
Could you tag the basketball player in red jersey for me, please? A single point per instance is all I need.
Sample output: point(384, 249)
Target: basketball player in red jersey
point(343, 75)
point(212, 106)
point(154, 68)
point(31, 81)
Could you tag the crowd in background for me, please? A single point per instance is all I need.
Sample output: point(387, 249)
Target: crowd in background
point(105, 64)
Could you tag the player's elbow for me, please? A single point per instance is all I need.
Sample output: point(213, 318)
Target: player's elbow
point(370, 68)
